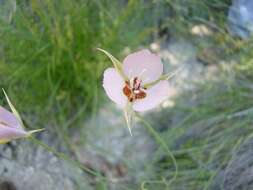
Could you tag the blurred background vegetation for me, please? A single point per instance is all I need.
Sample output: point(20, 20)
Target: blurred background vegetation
point(50, 63)
point(51, 70)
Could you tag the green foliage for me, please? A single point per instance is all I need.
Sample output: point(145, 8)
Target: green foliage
point(214, 122)
point(50, 66)
point(215, 118)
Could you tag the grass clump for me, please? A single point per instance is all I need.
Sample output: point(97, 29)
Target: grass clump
point(214, 119)
point(50, 66)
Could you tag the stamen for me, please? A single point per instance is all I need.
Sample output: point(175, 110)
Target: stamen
point(126, 90)
point(140, 95)
point(130, 73)
point(136, 91)
point(133, 89)
point(142, 73)
point(137, 83)
point(131, 82)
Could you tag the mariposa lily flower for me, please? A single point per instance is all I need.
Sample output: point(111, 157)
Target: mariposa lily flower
point(11, 125)
point(138, 84)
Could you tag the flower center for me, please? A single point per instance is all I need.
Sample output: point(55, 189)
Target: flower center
point(133, 89)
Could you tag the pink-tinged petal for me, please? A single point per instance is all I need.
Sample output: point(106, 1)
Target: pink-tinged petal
point(155, 95)
point(10, 133)
point(9, 119)
point(143, 64)
point(113, 85)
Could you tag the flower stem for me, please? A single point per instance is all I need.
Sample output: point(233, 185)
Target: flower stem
point(62, 156)
point(164, 145)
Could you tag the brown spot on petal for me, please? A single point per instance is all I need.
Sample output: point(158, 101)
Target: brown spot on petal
point(127, 90)
point(134, 92)
point(140, 95)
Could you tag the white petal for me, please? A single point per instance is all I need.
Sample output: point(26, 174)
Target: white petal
point(113, 85)
point(9, 118)
point(143, 64)
point(155, 95)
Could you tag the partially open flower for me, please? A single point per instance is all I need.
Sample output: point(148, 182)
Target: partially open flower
point(140, 86)
point(11, 126)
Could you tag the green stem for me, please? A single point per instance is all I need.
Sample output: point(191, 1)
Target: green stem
point(164, 145)
point(65, 158)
